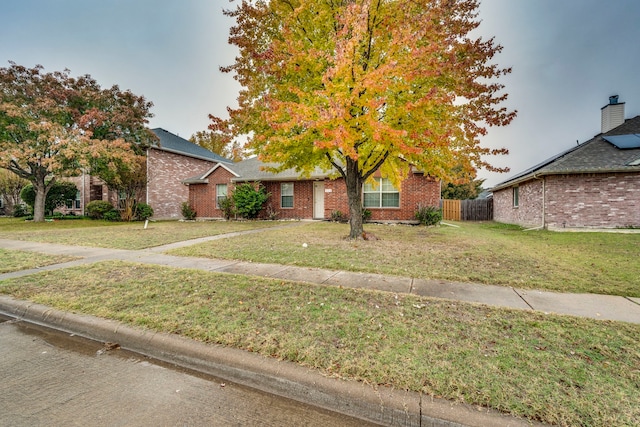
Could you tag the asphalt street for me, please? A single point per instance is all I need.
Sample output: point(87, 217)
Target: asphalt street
point(49, 378)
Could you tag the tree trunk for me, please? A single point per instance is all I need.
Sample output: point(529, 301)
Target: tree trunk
point(41, 188)
point(354, 195)
point(41, 195)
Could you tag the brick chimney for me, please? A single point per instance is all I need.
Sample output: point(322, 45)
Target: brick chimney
point(612, 114)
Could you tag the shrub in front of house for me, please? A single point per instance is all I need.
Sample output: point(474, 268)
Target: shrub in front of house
point(20, 211)
point(428, 215)
point(227, 207)
point(187, 211)
point(143, 211)
point(249, 199)
point(99, 208)
point(112, 215)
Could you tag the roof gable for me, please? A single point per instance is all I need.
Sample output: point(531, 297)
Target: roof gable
point(175, 144)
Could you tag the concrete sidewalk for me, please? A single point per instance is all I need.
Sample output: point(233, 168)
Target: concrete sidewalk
point(602, 307)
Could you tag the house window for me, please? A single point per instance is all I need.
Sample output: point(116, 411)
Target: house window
point(381, 194)
point(221, 193)
point(286, 194)
point(516, 197)
point(74, 203)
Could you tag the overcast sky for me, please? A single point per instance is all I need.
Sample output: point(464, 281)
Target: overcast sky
point(568, 57)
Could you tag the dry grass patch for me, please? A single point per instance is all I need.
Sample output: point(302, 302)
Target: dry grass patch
point(557, 369)
point(11, 261)
point(475, 252)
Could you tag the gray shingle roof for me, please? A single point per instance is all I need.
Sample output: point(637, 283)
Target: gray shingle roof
point(253, 170)
point(175, 144)
point(594, 156)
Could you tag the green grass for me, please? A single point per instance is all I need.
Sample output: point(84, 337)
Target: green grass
point(11, 261)
point(118, 235)
point(489, 253)
point(556, 369)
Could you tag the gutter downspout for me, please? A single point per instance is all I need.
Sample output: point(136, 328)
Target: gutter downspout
point(544, 205)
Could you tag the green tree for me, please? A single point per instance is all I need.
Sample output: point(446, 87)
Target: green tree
point(361, 86)
point(53, 125)
point(10, 187)
point(57, 196)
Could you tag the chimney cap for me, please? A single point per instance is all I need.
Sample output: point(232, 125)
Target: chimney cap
point(613, 99)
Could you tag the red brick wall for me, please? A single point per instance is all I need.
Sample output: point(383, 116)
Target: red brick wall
point(416, 189)
point(595, 200)
point(574, 201)
point(166, 171)
point(203, 196)
point(302, 200)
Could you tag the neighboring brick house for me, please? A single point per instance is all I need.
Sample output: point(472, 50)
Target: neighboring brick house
point(315, 197)
point(169, 162)
point(593, 185)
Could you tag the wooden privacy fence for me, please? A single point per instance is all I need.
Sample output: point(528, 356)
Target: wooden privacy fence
point(467, 210)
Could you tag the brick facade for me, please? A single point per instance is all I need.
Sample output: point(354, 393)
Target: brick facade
point(607, 200)
point(166, 171)
point(416, 189)
point(528, 213)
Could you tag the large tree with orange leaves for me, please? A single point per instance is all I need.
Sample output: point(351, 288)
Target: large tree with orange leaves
point(365, 85)
point(53, 125)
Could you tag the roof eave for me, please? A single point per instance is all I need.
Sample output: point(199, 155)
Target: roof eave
point(194, 156)
point(538, 175)
point(195, 181)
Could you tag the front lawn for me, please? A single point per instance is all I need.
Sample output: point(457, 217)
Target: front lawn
point(120, 235)
point(561, 370)
point(489, 253)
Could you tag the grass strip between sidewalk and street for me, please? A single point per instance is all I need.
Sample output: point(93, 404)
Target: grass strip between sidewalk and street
point(11, 260)
point(556, 369)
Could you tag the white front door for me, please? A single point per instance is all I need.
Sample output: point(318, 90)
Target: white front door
point(318, 200)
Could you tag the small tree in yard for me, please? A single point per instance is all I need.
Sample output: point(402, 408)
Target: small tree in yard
point(362, 86)
point(53, 125)
point(249, 199)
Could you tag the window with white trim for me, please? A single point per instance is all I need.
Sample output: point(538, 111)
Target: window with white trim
point(516, 197)
point(221, 193)
point(286, 194)
point(381, 194)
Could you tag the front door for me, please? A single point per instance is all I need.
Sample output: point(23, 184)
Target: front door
point(318, 200)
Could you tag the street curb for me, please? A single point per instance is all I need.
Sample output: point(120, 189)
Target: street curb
point(380, 405)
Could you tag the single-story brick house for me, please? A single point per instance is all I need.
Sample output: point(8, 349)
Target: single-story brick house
point(313, 197)
point(593, 185)
point(170, 161)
